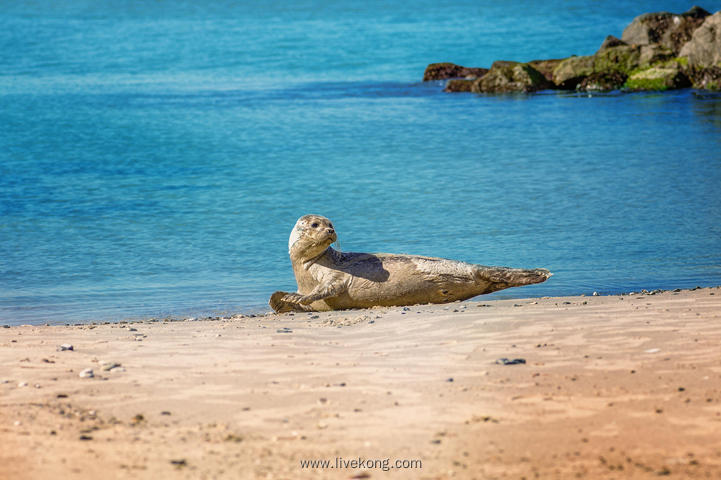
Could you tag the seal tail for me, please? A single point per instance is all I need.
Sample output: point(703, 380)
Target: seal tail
point(499, 278)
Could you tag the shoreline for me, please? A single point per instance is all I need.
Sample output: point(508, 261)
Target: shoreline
point(619, 385)
point(255, 312)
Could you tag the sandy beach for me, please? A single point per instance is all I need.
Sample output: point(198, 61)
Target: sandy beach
point(612, 387)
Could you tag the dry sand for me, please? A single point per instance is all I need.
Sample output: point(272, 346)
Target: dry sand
point(613, 387)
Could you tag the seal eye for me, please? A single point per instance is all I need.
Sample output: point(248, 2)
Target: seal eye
point(314, 225)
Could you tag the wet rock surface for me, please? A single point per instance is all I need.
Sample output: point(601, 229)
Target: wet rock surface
point(506, 77)
point(446, 70)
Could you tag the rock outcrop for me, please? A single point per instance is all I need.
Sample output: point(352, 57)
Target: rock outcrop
point(505, 77)
point(704, 47)
point(571, 71)
point(657, 51)
point(459, 85)
point(612, 41)
point(546, 67)
point(445, 71)
point(663, 28)
point(602, 82)
point(665, 76)
point(706, 78)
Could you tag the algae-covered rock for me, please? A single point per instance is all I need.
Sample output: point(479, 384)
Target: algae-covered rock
point(571, 71)
point(609, 67)
point(444, 71)
point(708, 78)
point(602, 82)
point(621, 58)
point(704, 48)
point(458, 85)
point(651, 54)
point(667, 29)
point(663, 76)
point(546, 67)
point(504, 77)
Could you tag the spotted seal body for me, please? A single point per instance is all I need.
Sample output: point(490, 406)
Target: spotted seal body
point(332, 280)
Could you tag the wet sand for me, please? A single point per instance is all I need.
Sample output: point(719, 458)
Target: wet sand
point(612, 387)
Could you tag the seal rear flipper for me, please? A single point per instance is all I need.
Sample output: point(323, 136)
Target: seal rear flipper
point(511, 277)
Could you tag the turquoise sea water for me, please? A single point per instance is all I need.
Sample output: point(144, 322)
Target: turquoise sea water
point(155, 155)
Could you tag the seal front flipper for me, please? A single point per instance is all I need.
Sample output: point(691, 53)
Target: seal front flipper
point(323, 291)
point(282, 302)
point(279, 304)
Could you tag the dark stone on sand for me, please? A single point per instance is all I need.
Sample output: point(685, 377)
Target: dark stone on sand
point(515, 361)
point(447, 70)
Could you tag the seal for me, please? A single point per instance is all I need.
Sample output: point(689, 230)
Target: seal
point(332, 280)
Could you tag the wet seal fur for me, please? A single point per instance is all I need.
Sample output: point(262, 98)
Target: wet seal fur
point(332, 280)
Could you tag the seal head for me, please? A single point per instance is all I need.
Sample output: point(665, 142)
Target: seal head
point(310, 237)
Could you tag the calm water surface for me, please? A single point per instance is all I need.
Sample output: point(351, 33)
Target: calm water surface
point(153, 158)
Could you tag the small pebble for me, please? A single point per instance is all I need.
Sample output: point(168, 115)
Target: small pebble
point(515, 361)
point(65, 346)
point(87, 373)
point(107, 366)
